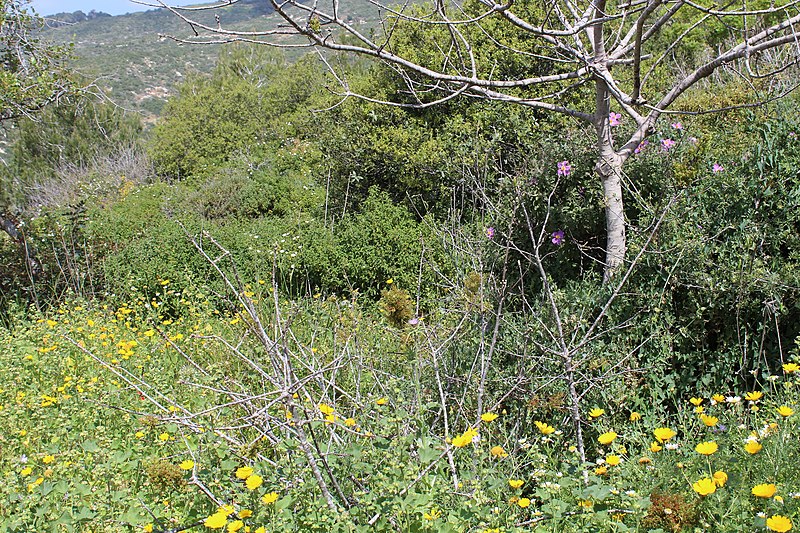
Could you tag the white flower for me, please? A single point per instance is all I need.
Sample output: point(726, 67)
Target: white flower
point(733, 399)
point(672, 446)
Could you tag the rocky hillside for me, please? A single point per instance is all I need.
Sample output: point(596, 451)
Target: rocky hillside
point(133, 56)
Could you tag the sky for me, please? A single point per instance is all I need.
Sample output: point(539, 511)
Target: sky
point(113, 7)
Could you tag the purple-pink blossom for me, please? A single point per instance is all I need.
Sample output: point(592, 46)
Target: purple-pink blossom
point(557, 237)
point(614, 119)
point(717, 168)
point(677, 125)
point(641, 146)
point(564, 168)
point(666, 144)
point(490, 233)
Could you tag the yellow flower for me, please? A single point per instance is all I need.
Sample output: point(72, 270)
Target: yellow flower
point(163, 437)
point(706, 448)
point(488, 417)
point(613, 460)
point(765, 490)
point(465, 438)
point(498, 451)
point(601, 470)
point(596, 412)
point(543, 428)
point(139, 434)
point(244, 472)
point(235, 526)
point(270, 497)
point(720, 478)
point(253, 482)
point(607, 438)
point(433, 514)
point(47, 459)
point(523, 502)
point(709, 421)
point(326, 409)
point(753, 396)
point(779, 523)
point(261, 529)
point(188, 464)
point(226, 509)
point(785, 410)
point(635, 417)
point(719, 398)
point(655, 447)
point(515, 483)
point(696, 401)
point(27, 471)
point(245, 513)
point(382, 401)
point(216, 521)
point(663, 434)
point(699, 409)
point(645, 461)
point(789, 368)
point(148, 528)
point(752, 447)
point(350, 422)
point(704, 486)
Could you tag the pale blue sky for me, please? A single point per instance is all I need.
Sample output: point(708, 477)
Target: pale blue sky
point(114, 7)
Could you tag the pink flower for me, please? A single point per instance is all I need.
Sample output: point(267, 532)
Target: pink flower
point(641, 146)
point(490, 233)
point(614, 119)
point(717, 168)
point(666, 144)
point(564, 168)
point(677, 125)
point(558, 237)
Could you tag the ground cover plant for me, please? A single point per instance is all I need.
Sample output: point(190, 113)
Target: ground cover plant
point(118, 418)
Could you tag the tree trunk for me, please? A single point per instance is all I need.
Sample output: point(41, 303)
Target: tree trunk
point(609, 167)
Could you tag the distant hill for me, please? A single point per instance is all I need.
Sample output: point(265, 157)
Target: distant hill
point(61, 19)
point(140, 69)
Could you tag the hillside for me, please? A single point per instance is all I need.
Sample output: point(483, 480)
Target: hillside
point(131, 57)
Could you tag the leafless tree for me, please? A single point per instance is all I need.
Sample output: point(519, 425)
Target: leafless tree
point(618, 49)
